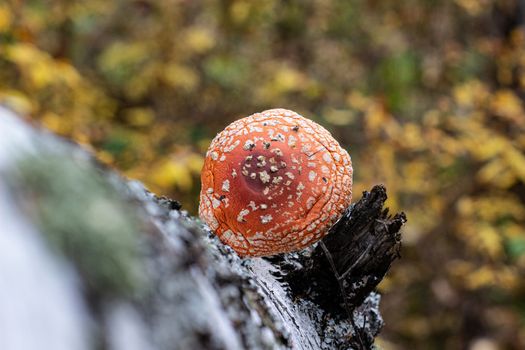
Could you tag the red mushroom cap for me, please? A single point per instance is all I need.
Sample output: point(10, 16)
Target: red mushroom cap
point(274, 182)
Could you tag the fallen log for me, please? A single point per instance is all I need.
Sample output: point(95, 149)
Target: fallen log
point(121, 268)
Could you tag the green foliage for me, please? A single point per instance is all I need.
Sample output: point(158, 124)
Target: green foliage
point(398, 75)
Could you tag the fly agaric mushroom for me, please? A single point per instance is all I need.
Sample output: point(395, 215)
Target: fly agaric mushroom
point(274, 182)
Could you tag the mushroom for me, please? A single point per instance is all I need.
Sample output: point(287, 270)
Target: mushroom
point(274, 182)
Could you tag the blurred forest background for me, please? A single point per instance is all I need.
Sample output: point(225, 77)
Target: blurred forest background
point(427, 96)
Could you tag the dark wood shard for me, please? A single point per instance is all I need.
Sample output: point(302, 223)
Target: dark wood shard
point(362, 246)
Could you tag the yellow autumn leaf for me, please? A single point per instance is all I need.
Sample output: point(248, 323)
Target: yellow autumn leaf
point(415, 174)
point(240, 10)
point(432, 118)
point(17, 101)
point(35, 63)
point(506, 104)
point(357, 100)
point(198, 39)
point(384, 344)
point(172, 173)
point(496, 207)
point(385, 285)
point(508, 278)
point(41, 74)
point(5, 18)
point(515, 161)
point(489, 241)
point(287, 79)
point(471, 93)
point(481, 277)
point(473, 7)
point(180, 76)
point(450, 145)
point(496, 172)
point(459, 268)
point(339, 116)
point(105, 157)
point(67, 73)
point(56, 123)
point(194, 162)
point(22, 53)
point(514, 231)
point(492, 147)
point(122, 54)
point(465, 206)
point(139, 116)
point(412, 136)
point(375, 118)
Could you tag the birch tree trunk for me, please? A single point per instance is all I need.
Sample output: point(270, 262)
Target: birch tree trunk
point(91, 260)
